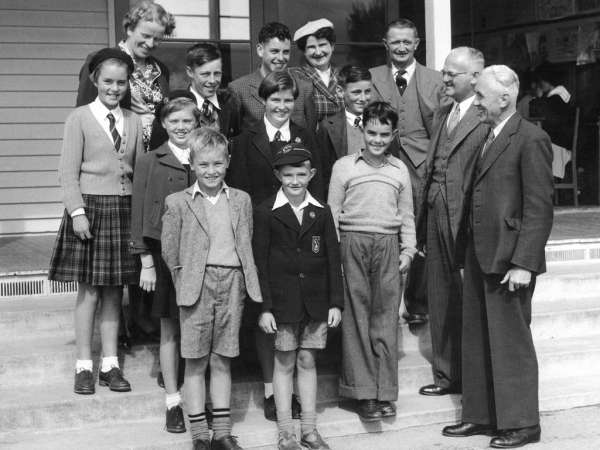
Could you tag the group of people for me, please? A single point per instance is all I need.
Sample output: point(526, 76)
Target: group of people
point(297, 200)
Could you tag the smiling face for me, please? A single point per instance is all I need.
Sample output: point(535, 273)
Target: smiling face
point(206, 78)
point(144, 38)
point(210, 166)
point(275, 55)
point(356, 96)
point(279, 106)
point(318, 52)
point(458, 77)
point(378, 137)
point(294, 180)
point(490, 100)
point(112, 83)
point(401, 44)
point(179, 124)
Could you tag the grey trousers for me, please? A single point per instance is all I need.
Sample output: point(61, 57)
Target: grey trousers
point(372, 287)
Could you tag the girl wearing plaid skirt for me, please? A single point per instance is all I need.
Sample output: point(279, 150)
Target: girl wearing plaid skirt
point(100, 145)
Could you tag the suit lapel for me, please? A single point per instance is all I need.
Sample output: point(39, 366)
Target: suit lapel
point(197, 208)
point(337, 131)
point(167, 158)
point(499, 145)
point(309, 217)
point(286, 216)
point(464, 127)
point(234, 209)
point(254, 83)
point(261, 141)
point(386, 85)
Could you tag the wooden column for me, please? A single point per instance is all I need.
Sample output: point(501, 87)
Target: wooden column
point(438, 31)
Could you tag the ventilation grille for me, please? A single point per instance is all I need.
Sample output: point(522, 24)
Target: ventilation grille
point(34, 285)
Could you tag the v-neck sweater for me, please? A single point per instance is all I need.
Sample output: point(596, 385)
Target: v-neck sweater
point(89, 162)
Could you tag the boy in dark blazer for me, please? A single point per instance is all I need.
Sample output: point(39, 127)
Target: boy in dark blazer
point(298, 259)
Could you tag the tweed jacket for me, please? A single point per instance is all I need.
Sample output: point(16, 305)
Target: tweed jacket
point(511, 207)
point(466, 142)
point(185, 242)
point(251, 157)
point(429, 87)
point(252, 108)
point(299, 266)
point(157, 174)
point(325, 98)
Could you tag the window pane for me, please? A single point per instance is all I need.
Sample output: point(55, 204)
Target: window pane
point(191, 27)
point(235, 28)
point(234, 8)
point(177, 7)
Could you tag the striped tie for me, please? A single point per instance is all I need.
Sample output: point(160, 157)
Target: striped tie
point(207, 109)
point(401, 81)
point(113, 131)
point(277, 137)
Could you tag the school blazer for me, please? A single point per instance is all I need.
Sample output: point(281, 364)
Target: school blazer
point(299, 266)
point(251, 167)
point(157, 174)
point(185, 242)
point(511, 208)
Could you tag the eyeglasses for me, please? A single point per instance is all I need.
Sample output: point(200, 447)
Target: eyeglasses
point(446, 73)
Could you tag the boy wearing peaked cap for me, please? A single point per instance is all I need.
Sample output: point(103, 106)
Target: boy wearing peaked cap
point(298, 260)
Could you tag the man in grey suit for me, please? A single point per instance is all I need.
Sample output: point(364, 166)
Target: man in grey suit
point(273, 49)
point(454, 146)
point(415, 92)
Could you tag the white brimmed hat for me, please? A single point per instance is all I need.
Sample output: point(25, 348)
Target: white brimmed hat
point(311, 28)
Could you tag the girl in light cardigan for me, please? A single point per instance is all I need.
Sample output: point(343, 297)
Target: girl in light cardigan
point(100, 145)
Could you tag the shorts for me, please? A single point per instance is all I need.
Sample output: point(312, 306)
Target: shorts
point(307, 334)
point(212, 324)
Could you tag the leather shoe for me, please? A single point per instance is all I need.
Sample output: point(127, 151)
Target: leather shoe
point(114, 380)
point(288, 441)
point(368, 410)
point(465, 429)
point(517, 437)
point(201, 444)
point(388, 409)
point(225, 443)
point(269, 408)
point(314, 441)
point(433, 389)
point(416, 319)
point(174, 420)
point(296, 407)
point(84, 383)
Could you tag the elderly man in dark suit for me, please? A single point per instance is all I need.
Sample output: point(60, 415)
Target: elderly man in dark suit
point(273, 49)
point(415, 92)
point(510, 220)
point(448, 171)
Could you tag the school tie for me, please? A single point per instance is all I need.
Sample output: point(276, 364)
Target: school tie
point(487, 143)
point(357, 122)
point(277, 137)
point(401, 81)
point(113, 131)
point(453, 119)
point(207, 109)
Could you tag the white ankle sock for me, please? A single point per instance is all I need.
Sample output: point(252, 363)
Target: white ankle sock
point(108, 362)
point(268, 389)
point(83, 364)
point(172, 400)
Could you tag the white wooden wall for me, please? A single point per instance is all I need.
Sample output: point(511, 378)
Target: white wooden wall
point(43, 44)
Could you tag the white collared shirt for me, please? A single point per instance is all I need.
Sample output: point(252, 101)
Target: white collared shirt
point(100, 112)
point(464, 106)
point(200, 99)
point(182, 154)
point(498, 128)
point(271, 130)
point(350, 118)
point(325, 75)
point(212, 199)
point(282, 200)
point(410, 70)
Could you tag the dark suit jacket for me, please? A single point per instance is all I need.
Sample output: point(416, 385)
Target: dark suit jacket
point(512, 199)
point(185, 242)
point(252, 107)
point(251, 170)
point(468, 138)
point(299, 266)
point(157, 174)
point(429, 85)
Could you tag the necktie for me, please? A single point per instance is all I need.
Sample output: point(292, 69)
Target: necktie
point(207, 109)
point(357, 122)
point(453, 119)
point(401, 81)
point(113, 131)
point(487, 143)
point(277, 137)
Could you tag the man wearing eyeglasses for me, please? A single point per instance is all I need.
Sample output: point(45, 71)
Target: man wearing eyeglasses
point(454, 146)
point(415, 92)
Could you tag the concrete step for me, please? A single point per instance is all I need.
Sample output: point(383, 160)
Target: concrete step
point(254, 431)
point(53, 404)
point(566, 280)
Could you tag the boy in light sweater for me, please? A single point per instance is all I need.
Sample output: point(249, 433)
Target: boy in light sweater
point(370, 197)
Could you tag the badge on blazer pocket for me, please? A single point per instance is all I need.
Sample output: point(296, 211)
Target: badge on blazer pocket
point(316, 244)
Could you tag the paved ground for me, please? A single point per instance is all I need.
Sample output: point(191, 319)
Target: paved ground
point(30, 253)
point(574, 429)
